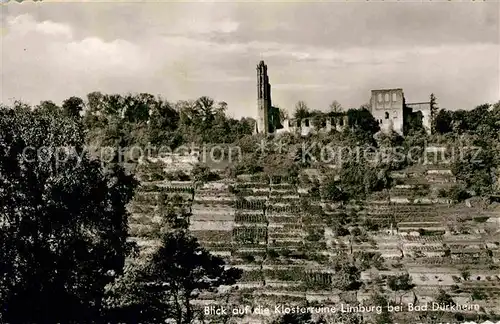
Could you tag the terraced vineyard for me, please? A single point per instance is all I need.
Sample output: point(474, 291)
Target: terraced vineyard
point(281, 235)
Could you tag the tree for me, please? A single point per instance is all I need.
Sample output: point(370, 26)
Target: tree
point(205, 108)
point(73, 106)
point(163, 123)
point(173, 211)
point(474, 166)
point(294, 319)
point(138, 107)
point(400, 283)
point(379, 300)
point(48, 107)
point(303, 318)
point(203, 174)
point(331, 190)
point(301, 110)
point(283, 114)
point(347, 275)
point(64, 221)
point(444, 298)
point(478, 294)
point(180, 270)
point(335, 107)
point(457, 193)
point(358, 179)
point(442, 122)
point(362, 124)
point(347, 318)
point(129, 300)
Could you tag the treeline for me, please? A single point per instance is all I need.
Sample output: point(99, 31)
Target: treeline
point(138, 119)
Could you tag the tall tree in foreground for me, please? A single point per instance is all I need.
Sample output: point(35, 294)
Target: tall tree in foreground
point(179, 271)
point(63, 222)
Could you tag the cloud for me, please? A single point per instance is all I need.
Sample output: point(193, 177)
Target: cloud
point(184, 51)
point(195, 26)
point(44, 60)
point(26, 24)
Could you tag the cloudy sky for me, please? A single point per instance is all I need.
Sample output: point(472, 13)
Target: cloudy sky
point(316, 52)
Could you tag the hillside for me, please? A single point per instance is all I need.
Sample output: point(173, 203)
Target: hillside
point(287, 239)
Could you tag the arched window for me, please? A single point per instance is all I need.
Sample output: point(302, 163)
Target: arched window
point(386, 115)
point(386, 97)
point(394, 97)
point(379, 97)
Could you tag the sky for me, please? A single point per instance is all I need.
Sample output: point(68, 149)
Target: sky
point(316, 52)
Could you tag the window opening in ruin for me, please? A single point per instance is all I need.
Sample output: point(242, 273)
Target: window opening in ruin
point(298, 123)
point(386, 115)
point(341, 122)
point(289, 124)
point(307, 122)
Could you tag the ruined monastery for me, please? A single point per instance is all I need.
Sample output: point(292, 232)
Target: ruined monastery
point(388, 107)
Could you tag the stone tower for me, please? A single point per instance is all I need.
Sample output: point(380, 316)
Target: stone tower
point(263, 100)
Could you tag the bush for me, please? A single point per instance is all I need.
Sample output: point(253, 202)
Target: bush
point(458, 193)
point(203, 174)
point(248, 257)
point(478, 294)
point(272, 254)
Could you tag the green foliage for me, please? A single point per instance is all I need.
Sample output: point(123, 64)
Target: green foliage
point(165, 288)
point(401, 282)
point(173, 211)
point(366, 260)
point(442, 122)
point(478, 294)
point(332, 191)
point(444, 298)
point(293, 318)
point(314, 234)
point(356, 181)
point(474, 167)
point(301, 110)
point(73, 107)
point(202, 174)
point(455, 193)
point(347, 275)
point(362, 124)
point(465, 273)
point(64, 222)
point(378, 299)
point(137, 119)
point(482, 120)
